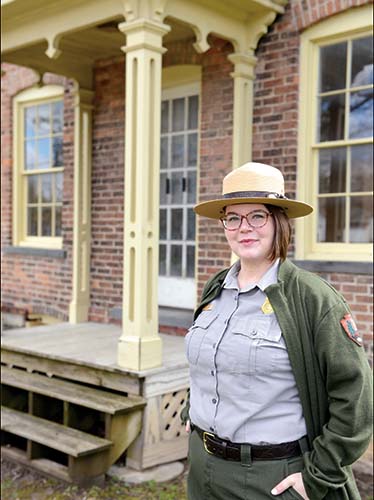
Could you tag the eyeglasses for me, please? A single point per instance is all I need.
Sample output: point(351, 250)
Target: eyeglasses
point(256, 219)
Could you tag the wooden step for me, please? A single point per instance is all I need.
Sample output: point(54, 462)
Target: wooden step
point(88, 397)
point(59, 437)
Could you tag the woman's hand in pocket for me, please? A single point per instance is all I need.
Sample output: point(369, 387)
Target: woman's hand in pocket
point(188, 426)
point(294, 481)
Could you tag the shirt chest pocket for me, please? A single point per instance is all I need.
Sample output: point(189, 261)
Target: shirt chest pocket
point(196, 334)
point(258, 344)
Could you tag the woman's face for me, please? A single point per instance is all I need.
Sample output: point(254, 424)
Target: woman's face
point(248, 243)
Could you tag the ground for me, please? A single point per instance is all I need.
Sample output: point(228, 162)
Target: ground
point(20, 483)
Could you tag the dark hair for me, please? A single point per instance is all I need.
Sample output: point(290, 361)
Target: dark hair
point(282, 233)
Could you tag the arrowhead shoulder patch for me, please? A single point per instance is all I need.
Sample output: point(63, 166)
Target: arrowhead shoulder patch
point(350, 329)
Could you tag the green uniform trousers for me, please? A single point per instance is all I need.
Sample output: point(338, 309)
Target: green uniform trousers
point(213, 478)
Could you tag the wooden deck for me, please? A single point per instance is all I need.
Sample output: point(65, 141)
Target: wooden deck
point(86, 353)
point(94, 347)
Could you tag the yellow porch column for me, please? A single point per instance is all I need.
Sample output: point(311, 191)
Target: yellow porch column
point(140, 346)
point(243, 76)
point(78, 311)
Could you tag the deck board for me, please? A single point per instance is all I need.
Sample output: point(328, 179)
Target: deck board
point(90, 344)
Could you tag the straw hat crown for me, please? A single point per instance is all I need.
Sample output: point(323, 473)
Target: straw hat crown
point(253, 183)
point(254, 177)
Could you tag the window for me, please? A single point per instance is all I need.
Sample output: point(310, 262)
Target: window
point(178, 181)
point(336, 147)
point(38, 166)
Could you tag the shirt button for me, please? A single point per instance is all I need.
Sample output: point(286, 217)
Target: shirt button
point(254, 333)
point(212, 373)
point(214, 401)
point(211, 428)
point(214, 346)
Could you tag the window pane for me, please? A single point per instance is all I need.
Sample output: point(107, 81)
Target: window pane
point(163, 189)
point(176, 260)
point(176, 188)
point(361, 218)
point(44, 122)
point(58, 117)
point(58, 159)
point(58, 213)
point(191, 187)
point(162, 260)
point(333, 61)
point(164, 116)
point(177, 224)
point(193, 104)
point(46, 188)
point(32, 189)
point(331, 219)
point(362, 62)
point(58, 186)
point(191, 224)
point(177, 151)
point(30, 155)
point(163, 224)
point(361, 114)
point(362, 168)
point(46, 221)
point(178, 115)
point(331, 116)
point(164, 152)
point(332, 170)
point(190, 262)
point(32, 221)
point(43, 153)
point(192, 149)
point(30, 121)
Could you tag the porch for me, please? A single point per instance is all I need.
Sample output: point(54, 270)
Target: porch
point(59, 366)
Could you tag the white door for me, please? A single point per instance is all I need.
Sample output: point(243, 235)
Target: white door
point(178, 170)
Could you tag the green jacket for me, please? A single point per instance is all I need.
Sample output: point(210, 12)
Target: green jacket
point(332, 375)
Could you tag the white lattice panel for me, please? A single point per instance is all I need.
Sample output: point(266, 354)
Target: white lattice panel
point(171, 406)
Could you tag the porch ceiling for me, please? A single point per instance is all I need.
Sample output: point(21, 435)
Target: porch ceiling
point(68, 37)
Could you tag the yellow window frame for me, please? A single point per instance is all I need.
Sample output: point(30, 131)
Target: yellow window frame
point(350, 24)
point(28, 97)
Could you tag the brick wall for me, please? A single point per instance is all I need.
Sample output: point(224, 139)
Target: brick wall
point(44, 284)
point(107, 190)
point(108, 168)
point(36, 283)
point(275, 118)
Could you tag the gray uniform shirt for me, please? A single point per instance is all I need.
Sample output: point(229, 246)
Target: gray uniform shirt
point(241, 382)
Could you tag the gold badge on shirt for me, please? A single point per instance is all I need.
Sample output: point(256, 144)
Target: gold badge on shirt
point(208, 307)
point(267, 307)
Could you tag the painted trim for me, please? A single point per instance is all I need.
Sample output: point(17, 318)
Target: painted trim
point(33, 95)
point(183, 81)
point(350, 23)
point(181, 74)
point(79, 305)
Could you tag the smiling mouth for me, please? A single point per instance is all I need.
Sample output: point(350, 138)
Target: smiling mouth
point(247, 241)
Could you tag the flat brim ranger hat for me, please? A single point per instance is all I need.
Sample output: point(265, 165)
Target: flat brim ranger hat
point(253, 183)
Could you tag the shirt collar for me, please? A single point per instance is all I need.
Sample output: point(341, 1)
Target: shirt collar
point(269, 278)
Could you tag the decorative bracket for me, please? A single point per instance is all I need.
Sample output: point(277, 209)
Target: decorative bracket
point(53, 52)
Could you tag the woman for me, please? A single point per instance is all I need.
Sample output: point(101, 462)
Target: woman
point(280, 393)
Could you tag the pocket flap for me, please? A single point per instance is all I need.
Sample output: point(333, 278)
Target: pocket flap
point(261, 327)
point(204, 320)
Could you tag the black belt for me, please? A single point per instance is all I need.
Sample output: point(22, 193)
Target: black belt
point(232, 451)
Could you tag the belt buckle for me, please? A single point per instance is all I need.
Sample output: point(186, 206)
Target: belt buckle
point(204, 441)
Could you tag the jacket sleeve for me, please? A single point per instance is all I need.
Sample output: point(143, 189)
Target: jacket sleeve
point(346, 435)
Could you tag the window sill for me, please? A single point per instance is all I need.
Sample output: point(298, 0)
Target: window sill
point(344, 267)
point(37, 252)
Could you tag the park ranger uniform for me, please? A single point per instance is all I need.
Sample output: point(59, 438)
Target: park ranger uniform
point(269, 364)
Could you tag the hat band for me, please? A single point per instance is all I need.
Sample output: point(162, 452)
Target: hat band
point(254, 194)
